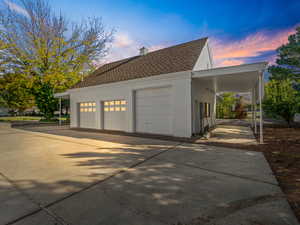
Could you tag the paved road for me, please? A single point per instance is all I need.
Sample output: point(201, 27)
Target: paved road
point(51, 175)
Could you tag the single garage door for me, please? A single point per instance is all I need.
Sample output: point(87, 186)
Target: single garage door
point(153, 111)
point(115, 115)
point(87, 114)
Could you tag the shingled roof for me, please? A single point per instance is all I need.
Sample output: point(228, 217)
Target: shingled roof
point(176, 58)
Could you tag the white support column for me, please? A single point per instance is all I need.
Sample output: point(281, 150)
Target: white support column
point(252, 108)
point(261, 139)
point(255, 126)
point(59, 112)
point(215, 101)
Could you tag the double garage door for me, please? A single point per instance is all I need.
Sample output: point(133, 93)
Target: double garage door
point(153, 111)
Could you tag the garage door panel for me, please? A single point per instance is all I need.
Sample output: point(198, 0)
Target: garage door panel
point(152, 98)
point(114, 121)
point(87, 120)
point(114, 117)
point(149, 111)
point(87, 115)
point(153, 111)
point(150, 93)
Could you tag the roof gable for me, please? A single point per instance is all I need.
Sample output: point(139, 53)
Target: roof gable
point(176, 58)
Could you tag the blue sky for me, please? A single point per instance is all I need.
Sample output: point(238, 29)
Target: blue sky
point(249, 30)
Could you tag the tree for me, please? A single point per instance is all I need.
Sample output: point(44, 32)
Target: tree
point(283, 90)
point(288, 61)
point(51, 52)
point(225, 104)
point(44, 96)
point(281, 99)
point(15, 93)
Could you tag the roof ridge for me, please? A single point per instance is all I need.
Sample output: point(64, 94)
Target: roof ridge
point(177, 45)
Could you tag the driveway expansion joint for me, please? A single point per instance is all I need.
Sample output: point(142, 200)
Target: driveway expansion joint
point(223, 173)
point(58, 219)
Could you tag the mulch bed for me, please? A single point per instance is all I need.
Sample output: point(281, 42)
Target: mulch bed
point(282, 150)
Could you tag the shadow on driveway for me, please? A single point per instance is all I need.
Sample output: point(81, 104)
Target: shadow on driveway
point(62, 176)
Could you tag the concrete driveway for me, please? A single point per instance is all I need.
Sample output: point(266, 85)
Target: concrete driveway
point(51, 175)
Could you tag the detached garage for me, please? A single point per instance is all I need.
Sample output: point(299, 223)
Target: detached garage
point(148, 93)
point(171, 91)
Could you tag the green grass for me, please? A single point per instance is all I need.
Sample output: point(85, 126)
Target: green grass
point(20, 118)
point(23, 118)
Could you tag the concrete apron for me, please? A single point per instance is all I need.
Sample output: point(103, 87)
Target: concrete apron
point(60, 178)
point(232, 135)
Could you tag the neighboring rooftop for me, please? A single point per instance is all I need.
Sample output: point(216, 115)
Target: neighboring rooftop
point(176, 58)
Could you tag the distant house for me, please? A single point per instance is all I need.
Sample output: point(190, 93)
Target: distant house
point(171, 91)
point(297, 118)
point(4, 111)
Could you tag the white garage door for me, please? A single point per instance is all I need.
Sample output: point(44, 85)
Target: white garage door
point(153, 111)
point(115, 115)
point(87, 115)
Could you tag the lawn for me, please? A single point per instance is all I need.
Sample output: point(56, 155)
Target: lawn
point(23, 118)
point(19, 118)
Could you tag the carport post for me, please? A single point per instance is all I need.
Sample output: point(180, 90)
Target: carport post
point(59, 111)
point(252, 108)
point(255, 126)
point(261, 138)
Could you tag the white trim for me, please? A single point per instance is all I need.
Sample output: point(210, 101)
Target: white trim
point(62, 94)
point(200, 53)
point(173, 76)
point(210, 54)
point(221, 71)
point(152, 86)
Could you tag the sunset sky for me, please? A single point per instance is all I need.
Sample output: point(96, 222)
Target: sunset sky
point(239, 31)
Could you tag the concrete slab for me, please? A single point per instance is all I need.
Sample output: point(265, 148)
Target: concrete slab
point(93, 137)
point(41, 218)
point(12, 203)
point(167, 193)
point(49, 167)
point(223, 160)
point(92, 178)
point(231, 134)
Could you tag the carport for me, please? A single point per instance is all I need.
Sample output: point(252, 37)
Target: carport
point(246, 78)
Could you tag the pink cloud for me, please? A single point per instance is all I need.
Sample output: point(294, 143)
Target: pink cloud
point(236, 52)
point(124, 46)
point(122, 40)
point(156, 47)
point(231, 62)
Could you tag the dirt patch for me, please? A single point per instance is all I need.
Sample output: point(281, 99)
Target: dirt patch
point(282, 150)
